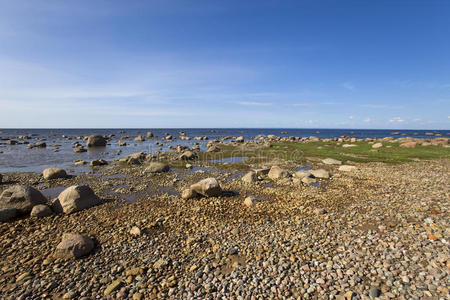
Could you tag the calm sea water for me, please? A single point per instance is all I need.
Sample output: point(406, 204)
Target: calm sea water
point(18, 158)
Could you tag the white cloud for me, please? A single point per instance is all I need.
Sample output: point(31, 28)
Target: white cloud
point(367, 120)
point(396, 120)
point(249, 103)
point(348, 85)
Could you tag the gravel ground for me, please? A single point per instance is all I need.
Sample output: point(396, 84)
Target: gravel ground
point(381, 231)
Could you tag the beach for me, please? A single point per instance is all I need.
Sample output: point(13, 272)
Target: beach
point(280, 217)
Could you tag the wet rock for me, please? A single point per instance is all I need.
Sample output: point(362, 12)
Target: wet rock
point(208, 187)
point(250, 177)
point(22, 198)
point(157, 167)
point(320, 173)
point(41, 211)
point(80, 163)
point(139, 138)
point(7, 214)
point(96, 140)
point(347, 168)
point(331, 161)
point(80, 149)
point(74, 245)
point(277, 173)
point(54, 173)
point(98, 162)
point(149, 134)
point(122, 144)
point(240, 139)
point(76, 198)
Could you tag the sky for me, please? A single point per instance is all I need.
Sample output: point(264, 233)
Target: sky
point(272, 64)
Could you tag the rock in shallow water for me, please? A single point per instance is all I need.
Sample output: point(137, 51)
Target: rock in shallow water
point(96, 140)
point(53, 173)
point(157, 167)
point(22, 198)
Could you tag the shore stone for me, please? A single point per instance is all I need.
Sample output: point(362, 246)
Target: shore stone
point(96, 140)
point(331, 161)
point(347, 168)
point(240, 139)
point(74, 245)
point(79, 163)
point(277, 173)
point(76, 198)
point(409, 145)
point(41, 211)
point(308, 180)
point(157, 167)
point(377, 145)
point(320, 173)
point(213, 149)
point(374, 293)
point(79, 149)
point(135, 231)
point(303, 173)
point(7, 214)
point(54, 173)
point(188, 194)
point(208, 187)
point(112, 287)
point(249, 201)
point(22, 198)
point(250, 177)
point(187, 155)
point(98, 162)
point(149, 134)
point(139, 138)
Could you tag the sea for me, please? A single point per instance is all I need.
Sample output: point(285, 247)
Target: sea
point(59, 151)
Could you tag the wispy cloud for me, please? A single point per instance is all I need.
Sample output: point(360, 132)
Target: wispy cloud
point(348, 85)
point(396, 120)
point(250, 103)
point(367, 120)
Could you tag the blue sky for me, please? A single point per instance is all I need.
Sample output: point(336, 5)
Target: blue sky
point(296, 64)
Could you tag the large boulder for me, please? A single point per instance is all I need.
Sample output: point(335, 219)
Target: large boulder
point(22, 198)
point(208, 187)
point(7, 214)
point(96, 140)
point(277, 173)
point(250, 177)
point(74, 245)
point(76, 198)
point(157, 167)
point(54, 173)
point(40, 211)
point(321, 173)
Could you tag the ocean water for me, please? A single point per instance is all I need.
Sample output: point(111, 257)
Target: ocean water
point(18, 158)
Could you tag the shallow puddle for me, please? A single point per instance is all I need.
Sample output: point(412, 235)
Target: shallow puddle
point(230, 160)
point(53, 192)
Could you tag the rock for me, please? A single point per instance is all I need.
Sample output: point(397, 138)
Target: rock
point(377, 145)
point(149, 134)
point(24, 277)
point(40, 211)
point(250, 177)
point(208, 187)
point(187, 155)
point(240, 139)
point(302, 174)
point(139, 138)
point(349, 145)
point(98, 162)
point(213, 149)
point(112, 287)
point(54, 173)
point(122, 144)
point(347, 168)
point(320, 211)
point(157, 167)
point(96, 140)
point(79, 163)
point(135, 231)
point(76, 198)
point(188, 194)
point(277, 173)
point(331, 161)
point(308, 180)
point(79, 150)
point(7, 214)
point(374, 292)
point(320, 173)
point(160, 263)
point(22, 198)
point(409, 145)
point(74, 245)
point(249, 201)
point(262, 171)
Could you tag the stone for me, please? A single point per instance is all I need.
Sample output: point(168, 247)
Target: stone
point(347, 168)
point(54, 173)
point(250, 177)
point(112, 287)
point(277, 173)
point(160, 263)
point(149, 134)
point(308, 180)
point(24, 277)
point(320, 173)
point(374, 292)
point(135, 231)
point(157, 167)
point(139, 138)
point(331, 161)
point(22, 198)
point(303, 173)
point(7, 214)
point(188, 194)
point(96, 140)
point(409, 145)
point(76, 198)
point(98, 162)
point(208, 187)
point(41, 210)
point(213, 149)
point(187, 155)
point(261, 171)
point(249, 201)
point(377, 145)
point(79, 150)
point(240, 139)
point(74, 245)
point(122, 144)
point(79, 163)
point(349, 145)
